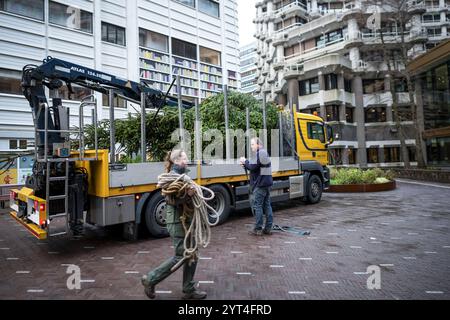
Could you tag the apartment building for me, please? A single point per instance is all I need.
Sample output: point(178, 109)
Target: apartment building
point(140, 40)
point(248, 71)
point(324, 57)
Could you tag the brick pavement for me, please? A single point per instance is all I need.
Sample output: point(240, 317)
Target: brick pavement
point(405, 232)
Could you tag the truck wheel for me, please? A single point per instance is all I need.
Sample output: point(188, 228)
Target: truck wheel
point(221, 203)
point(314, 191)
point(155, 216)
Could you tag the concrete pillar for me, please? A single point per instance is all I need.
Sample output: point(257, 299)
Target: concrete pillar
point(271, 28)
point(282, 99)
point(258, 11)
point(381, 155)
point(359, 119)
point(387, 88)
point(293, 91)
point(340, 83)
point(314, 7)
point(345, 156)
point(342, 112)
point(269, 7)
point(321, 77)
point(354, 57)
point(323, 112)
point(353, 28)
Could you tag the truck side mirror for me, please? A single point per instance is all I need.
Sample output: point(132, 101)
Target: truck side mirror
point(330, 138)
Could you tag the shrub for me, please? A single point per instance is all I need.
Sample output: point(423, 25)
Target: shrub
point(359, 176)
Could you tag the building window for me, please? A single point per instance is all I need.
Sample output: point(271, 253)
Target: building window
point(313, 111)
point(372, 155)
point(309, 86)
point(349, 115)
point(292, 50)
point(78, 93)
point(335, 156)
point(315, 131)
point(184, 49)
point(18, 144)
point(392, 154)
point(348, 85)
point(330, 81)
point(248, 73)
point(332, 113)
point(351, 156)
point(210, 7)
point(70, 17)
point(412, 153)
point(10, 81)
point(190, 3)
point(373, 86)
point(118, 102)
point(438, 150)
point(431, 18)
point(113, 34)
point(32, 9)
point(434, 32)
point(153, 40)
point(330, 37)
point(210, 56)
point(376, 114)
point(401, 85)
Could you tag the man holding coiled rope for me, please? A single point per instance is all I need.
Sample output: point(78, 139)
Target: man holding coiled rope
point(187, 219)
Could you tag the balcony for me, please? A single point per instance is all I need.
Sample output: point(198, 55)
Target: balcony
point(338, 95)
point(377, 98)
point(354, 39)
point(309, 100)
point(278, 63)
point(416, 6)
point(327, 60)
point(291, 7)
point(267, 88)
point(287, 28)
point(374, 66)
point(293, 70)
point(265, 71)
point(394, 37)
point(272, 78)
point(403, 97)
point(279, 86)
point(418, 35)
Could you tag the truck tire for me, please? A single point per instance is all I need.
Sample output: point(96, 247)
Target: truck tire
point(155, 216)
point(221, 203)
point(314, 190)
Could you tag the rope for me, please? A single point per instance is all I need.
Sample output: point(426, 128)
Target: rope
point(199, 230)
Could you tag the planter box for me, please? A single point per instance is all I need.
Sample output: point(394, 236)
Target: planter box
point(363, 187)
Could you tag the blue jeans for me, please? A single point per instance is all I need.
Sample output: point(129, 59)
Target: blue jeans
point(260, 202)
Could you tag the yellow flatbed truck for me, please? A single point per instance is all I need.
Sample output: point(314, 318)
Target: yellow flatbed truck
point(87, 186)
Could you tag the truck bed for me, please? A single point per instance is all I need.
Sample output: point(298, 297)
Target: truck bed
point(134, 174)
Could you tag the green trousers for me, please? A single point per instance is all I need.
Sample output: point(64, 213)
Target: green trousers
point(176, 232)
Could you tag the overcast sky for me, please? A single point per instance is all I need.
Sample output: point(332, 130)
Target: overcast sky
point(246, 14)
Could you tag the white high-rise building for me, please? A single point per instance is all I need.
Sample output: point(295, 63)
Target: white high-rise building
point(149, 40)
point(248, 70)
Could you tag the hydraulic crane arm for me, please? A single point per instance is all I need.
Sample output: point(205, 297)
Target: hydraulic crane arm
point(54, 73)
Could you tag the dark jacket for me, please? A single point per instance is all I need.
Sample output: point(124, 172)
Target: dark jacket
point(260, 170)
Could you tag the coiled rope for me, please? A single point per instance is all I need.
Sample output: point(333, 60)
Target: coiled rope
point(199, 230)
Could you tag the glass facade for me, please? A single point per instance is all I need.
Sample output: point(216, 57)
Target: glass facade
point(435, 85)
